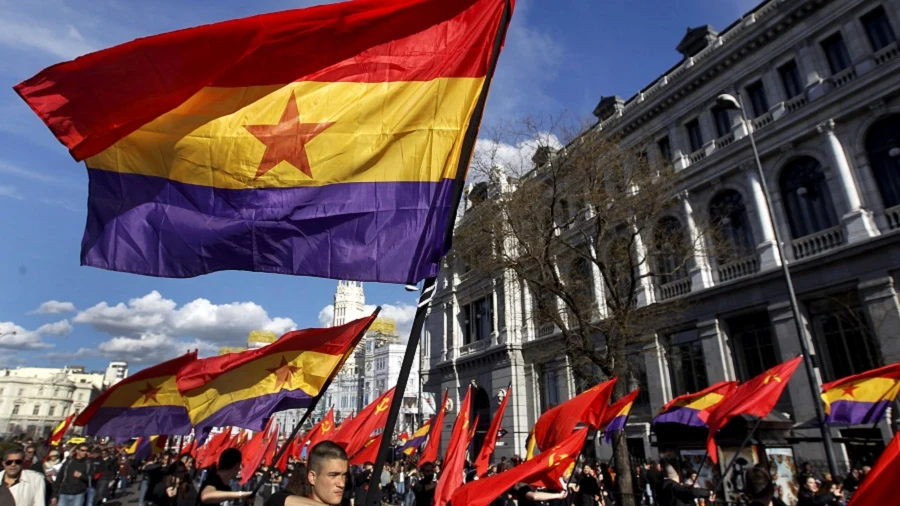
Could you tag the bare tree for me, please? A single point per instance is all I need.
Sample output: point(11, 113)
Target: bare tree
point(592, 229)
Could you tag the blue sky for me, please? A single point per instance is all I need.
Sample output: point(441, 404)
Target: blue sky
point(561, 56)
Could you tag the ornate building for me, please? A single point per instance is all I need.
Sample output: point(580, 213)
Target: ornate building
point(34, 400)
point(820, 80)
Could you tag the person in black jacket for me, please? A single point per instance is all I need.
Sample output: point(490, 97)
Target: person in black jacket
point(105, 469)
point(72, 480)
point(810, 496)
point(759, 487)
point(673, 493)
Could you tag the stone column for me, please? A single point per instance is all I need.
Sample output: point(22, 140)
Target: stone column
point(599, 286)
point(495, 322)
point(858, 222)
point(529, 330)
point(717, 353)
point(646, 294)
point(880, 298)
point(701, 274)
point(809, 63)
point(452, 322)
point(658, 381)
point(768, 256)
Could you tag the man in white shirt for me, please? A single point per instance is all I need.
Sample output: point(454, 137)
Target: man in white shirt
point(28, 488)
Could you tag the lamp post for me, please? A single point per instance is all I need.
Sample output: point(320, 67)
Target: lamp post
point(726, 101)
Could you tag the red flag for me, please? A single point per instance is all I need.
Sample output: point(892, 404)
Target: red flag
point(557, 424)
point(490, 441)
point(215, 447)
point(368, 453)
point(544, 470)
point(60, 431)
point(430, 450)
point(271, 448)
point(297, 447)
point(455, 459)
point(355, 433)
point(257, 458)
point(250, 455)
point(322, 431)
point(756, 397)
point(190, 448)
point(879, 485)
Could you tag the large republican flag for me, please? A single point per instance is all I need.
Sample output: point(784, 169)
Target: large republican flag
point(616, 416)
point(756, 397)
point(862, 398)
point(245, 389)
point(144, 404)
point(694, 409)
point(318, 142)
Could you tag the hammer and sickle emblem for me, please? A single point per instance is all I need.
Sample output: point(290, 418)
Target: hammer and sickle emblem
point(383, 405)
point(326, 426)
point(557, 461)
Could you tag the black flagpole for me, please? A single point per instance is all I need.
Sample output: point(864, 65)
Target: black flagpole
point(312, 407)
point(429, 285)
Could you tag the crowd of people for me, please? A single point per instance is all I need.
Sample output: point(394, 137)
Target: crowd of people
point(87, 474)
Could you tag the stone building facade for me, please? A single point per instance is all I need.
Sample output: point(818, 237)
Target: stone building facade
point(34, 400)
point(820, 82)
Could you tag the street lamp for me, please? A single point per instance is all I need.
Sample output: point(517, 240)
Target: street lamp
point(726, 101)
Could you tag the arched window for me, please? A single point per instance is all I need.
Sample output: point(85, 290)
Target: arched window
point(883, 148)
point(619, 259)
point(807, 199)
point(732, 234)
point(670, 255)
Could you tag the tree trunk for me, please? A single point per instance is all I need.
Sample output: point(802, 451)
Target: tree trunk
point(624, 488)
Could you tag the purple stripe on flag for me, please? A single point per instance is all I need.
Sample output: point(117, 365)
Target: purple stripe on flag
point(681, 415)
point(253, 413)
point(846, 412)
point(390, 232)
point(142, 421)
point(415, 442)
point(617, 423)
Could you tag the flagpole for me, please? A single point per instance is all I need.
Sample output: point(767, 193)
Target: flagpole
point(428, 286)
point(312, 406)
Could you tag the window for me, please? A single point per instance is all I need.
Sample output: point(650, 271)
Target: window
point(836, 52)
point(878, 28)
point(731, 233)
point(758, 101)
point(695, 135)
point(882, 138)
point(665, 149)
point(842, 333)
point(790, 79)
point(550, 390)
point(15, 410)
point(478, 320)
point(36, 410)
point(671, 253)
point(753, 346)
point(806, 197)
point(722, 119)
point(687, 367)
point(52, 411)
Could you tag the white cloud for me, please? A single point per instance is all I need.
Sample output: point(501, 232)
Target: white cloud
point(154, 315)
point(61, 328)
point(17, 338)
point(10, 192)
point(56, 39)
point(54, 307)
point(515, 156)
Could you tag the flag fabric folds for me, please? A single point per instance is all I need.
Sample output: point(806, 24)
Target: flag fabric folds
point(694, 409)
point(880, 485)
point(617, 415)
point(756, 397)
point(353, 434)
point(545, 471)
point(147, 446)
point(861, 398)
point(322, 431)
point(143, 404)
point(452, 472)
point(556, 424)
point(433, 445)
point(368, 453)
point(317, 142)
point(490, 441)
point(418, 437)
point(59, 432)
point(244, 389)
point(265, 448)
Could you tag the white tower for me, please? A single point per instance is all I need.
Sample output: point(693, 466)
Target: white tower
point(349, 302)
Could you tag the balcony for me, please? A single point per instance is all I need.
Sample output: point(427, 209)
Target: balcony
point(843, 77)
point(735, 269)
point(886, 54)
point(474, 347)
point(893, 217)
point(696, 156)
point(819, 242)
point(545, 330)
point(796, 103)
point(725, 140)
point(762, 120)
point(675, 288)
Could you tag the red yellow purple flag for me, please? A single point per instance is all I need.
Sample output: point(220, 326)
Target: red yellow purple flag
point(863, 398)
point(144, 404)
point(59, 432)
point(543, 470)
point(693, 409)
point(245, 389)
point(617, 415)
point(318, 142)
point(756, 397)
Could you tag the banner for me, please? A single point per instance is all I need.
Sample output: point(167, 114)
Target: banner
point(709, 474)
point(734, 481)
point(784, 471)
